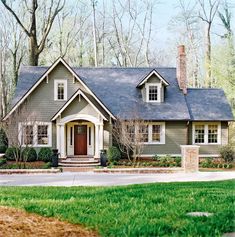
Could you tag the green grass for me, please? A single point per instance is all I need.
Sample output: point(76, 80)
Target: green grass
point(137, 210)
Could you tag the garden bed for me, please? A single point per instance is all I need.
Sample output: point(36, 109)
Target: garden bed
point(139, 170)
point(29, 171)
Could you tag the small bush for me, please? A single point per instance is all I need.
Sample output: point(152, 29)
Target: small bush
point(3, 161)
point(45, 154)
point(3, 140)
point(3, 148)
point(12, 153)
point(29, 154)
point(47, 165)
point(114, 154)
point(156, 158)
point(227, 153)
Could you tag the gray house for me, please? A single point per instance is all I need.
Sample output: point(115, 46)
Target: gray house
point(75, 108)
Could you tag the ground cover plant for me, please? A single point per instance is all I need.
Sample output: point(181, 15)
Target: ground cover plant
point(136, 210)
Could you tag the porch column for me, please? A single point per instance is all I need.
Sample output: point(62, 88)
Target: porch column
point(101, 137)
point(58, 137)
point(62, 141)
point(97, 141)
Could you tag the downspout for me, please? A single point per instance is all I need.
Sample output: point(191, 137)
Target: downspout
point(187, 133)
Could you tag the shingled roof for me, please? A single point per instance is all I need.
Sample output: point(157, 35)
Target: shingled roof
point(116, 88)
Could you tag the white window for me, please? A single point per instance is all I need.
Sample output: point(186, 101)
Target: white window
point(60, 90)
point(206, 133)
point(153, 92)
point(150, 133)
point(37, 134)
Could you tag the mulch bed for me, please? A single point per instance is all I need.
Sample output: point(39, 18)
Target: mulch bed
point(19, 223)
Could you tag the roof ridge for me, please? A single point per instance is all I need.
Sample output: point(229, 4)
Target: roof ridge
point(205, 88)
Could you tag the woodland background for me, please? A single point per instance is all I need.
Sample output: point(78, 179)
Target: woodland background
point(118, 33)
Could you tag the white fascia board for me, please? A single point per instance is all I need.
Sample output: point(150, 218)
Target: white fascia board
point(79, 92)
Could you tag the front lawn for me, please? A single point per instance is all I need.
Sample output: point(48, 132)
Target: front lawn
point(137, 210)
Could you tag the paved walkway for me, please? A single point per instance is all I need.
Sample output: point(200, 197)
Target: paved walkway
point(94, 179)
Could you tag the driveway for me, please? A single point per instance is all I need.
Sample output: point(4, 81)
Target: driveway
point(94, 179)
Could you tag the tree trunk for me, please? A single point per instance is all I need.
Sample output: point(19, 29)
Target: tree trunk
point(208, 82)
point(33, 55)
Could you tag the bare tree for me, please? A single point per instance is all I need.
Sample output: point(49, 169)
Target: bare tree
point(207, 13)
point(20, 133)
point(130, 136)
point(36, 45)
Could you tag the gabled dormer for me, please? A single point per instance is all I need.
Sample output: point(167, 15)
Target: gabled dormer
point(152, 87)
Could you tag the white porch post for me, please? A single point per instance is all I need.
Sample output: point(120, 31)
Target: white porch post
point(58, 137)
point(97, 141)
point(101, 137)
point(62, 141)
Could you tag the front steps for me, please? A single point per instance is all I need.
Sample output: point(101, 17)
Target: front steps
point(83, 162)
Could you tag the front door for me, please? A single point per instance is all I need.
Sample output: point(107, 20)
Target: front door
point(80, 140)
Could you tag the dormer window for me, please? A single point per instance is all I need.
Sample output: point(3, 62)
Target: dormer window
point(60, 90)
point(153, 92)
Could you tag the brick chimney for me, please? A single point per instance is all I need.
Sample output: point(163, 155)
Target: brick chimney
point(181, 69)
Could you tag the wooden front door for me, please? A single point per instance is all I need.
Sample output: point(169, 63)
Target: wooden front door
point(80, 140)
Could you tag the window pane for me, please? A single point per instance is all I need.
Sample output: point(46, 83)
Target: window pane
point(143, 132)
point(212, 133)
point(153, 93)
point(42, 134)
point(89, 136)
point(60, 91)
point(28, 135)
point(199, 134)
point(156, 133)
point(130, 129)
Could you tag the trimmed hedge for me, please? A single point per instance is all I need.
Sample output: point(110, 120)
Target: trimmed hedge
point(11, 152)
point(45, 154)
point(29, 154)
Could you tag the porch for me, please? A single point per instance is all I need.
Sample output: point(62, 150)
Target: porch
point(80, 138)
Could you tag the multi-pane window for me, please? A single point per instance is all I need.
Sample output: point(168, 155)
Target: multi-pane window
point(28, 134)
point(212, 133)
point(42, 134)
point(153, 93)
point(143, 132)
point(199, 134)
point(130, 129)
point(60, 91)
point(156, 133)
point(206, 133)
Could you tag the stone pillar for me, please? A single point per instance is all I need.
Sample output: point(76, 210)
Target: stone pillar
point(190, 158)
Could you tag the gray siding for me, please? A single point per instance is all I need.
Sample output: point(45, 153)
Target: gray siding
point(176, 135)
point(211, 149)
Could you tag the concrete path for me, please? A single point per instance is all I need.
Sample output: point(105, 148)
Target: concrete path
point(94, 179)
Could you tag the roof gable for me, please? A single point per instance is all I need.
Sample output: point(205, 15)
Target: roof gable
point(79, 92)
point(149, 75)
point(43, 76)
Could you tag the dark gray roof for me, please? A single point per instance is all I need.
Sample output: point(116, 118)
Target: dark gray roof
point(208, 104)
point(116, 88)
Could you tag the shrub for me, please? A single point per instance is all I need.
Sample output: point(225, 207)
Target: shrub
point(178, 161)
point(227, 153)
point(45, 154)
point(3, 141)
point(12, 153)
point(3, 161)
point(47, 165)
point(156, 158)
point(29, 154)
point(114, 154)
point(3, 148)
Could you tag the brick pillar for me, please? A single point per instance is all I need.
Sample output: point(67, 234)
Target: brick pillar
point(190, 158)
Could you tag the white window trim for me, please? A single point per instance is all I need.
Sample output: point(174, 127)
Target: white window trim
point(205, 124)
point(162, 133)
point(35, 128)
point(159, 85)
point(56, 82)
